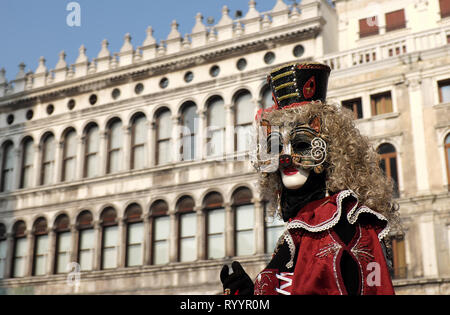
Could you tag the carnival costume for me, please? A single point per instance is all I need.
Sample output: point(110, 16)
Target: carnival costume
point(322, 177)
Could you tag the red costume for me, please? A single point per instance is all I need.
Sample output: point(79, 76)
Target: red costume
point(318, 249)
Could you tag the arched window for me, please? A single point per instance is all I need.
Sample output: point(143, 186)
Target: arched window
point(244, 110)
point(188, 229)
point(48, 159)
point(63, 243)
point(388, 163)
point(115, 142)
point(86, 240)
point(216, 127)
point(91, 151)
point(7, 166)
point(20, 250)
point(447, 157)
point(40, 247)
point(3, 247)
point(244, 222)
point(163, 137)
point(266, 97)
point(110, 240)
point(189, 120)
point(26, 178)
point(135, 235)
point(160, 236)
point(69, 156)
point(215, 225)
point(274, 228)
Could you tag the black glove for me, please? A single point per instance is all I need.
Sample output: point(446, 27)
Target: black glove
point(238, 281)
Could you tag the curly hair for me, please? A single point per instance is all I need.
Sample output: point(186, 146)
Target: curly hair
point(352, 162)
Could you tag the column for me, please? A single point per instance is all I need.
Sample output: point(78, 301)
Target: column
point(51, 251)
point(98, 246)
point(30, 255)
point(37, 168)
point(201, 135)
point(201, 237)
point(229, 231)
point(57, 173)
point(259, 226)
point(9, 255)
point(229, 130)
point(80, 157)
point(147, 239)
point(103, 154)
point(17, 168)
point(151, 144)
point(173, 237)
point(176, 141)
point(126, 162)
point(418, 135)
point(122, 244)
point(75, 243)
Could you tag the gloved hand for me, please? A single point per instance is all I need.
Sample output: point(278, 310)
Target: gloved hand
point(238, 283)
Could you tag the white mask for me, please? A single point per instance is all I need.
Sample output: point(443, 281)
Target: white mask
point(293, 177)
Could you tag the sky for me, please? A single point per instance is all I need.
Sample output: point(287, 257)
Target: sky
point(30, 29)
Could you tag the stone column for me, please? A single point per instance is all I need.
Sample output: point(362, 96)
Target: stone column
point(98, 248)
point(30, 255)
point(176, 140)
point(58, 162)
point(229, 130)
point(229, 231)
point(75, 243)
point(103, 152)
point(201, 237)
point(201, 135)
point(151, 144)
point(147, 240)
point(51, 251)
point(17, 172)
point(259, 226)
point(173, 237)
point(126, 149)
point(37, 168)
point(122, 252)
point(80, 157)
point(9, 255)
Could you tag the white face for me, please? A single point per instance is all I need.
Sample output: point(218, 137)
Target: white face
point(294, 178)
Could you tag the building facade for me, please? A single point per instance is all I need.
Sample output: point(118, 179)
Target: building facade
point(130, 174)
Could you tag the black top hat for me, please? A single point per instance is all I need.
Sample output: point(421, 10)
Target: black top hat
point(299, 83)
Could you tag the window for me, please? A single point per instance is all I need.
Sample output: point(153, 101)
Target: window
point(20, 250)
point(40, 247)
point(69, 156)
point(135, 235)
point(189, 120)
point(7, 167)
point(355, 105)
point(215, 226)
point(63, 243)
point(381, 103)
point(274, 228)
point(241, 64)
point(447, 157)
point(395, 20)
point(388, 163)
point(10, 119)
point(86, 240)
point(91, 149)
point(163, 137)
point(445, 8)
point(266, 98)
point(138, 141)
point(244, 110)
point(244, 222)
point(3, 243)
point(188, 76)
point(48, 159)
point(214, 71)
point(26, 179)
point(164, 83)
point(161, 228)
point(114, 147)
point(216, 127)
point(269, 58)
point(115, 94)
point(298, 51)
point(110, 242)
point(187, 229)
point(368, 26)
point(398, 257)
point(444, 91)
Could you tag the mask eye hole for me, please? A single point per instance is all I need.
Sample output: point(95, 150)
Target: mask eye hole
point(301, 147)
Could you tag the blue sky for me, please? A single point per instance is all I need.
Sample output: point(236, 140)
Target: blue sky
point(30, 29)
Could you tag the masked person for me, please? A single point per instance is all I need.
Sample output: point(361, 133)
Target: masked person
point(322, 177)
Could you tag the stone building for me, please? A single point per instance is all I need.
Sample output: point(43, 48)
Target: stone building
point(129, 173)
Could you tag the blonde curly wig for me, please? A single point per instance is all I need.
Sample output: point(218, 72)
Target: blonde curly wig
point(352, 162)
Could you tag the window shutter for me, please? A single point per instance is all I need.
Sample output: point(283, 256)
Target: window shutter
point(445, 8)
point(395, 20)
point(368, 26)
